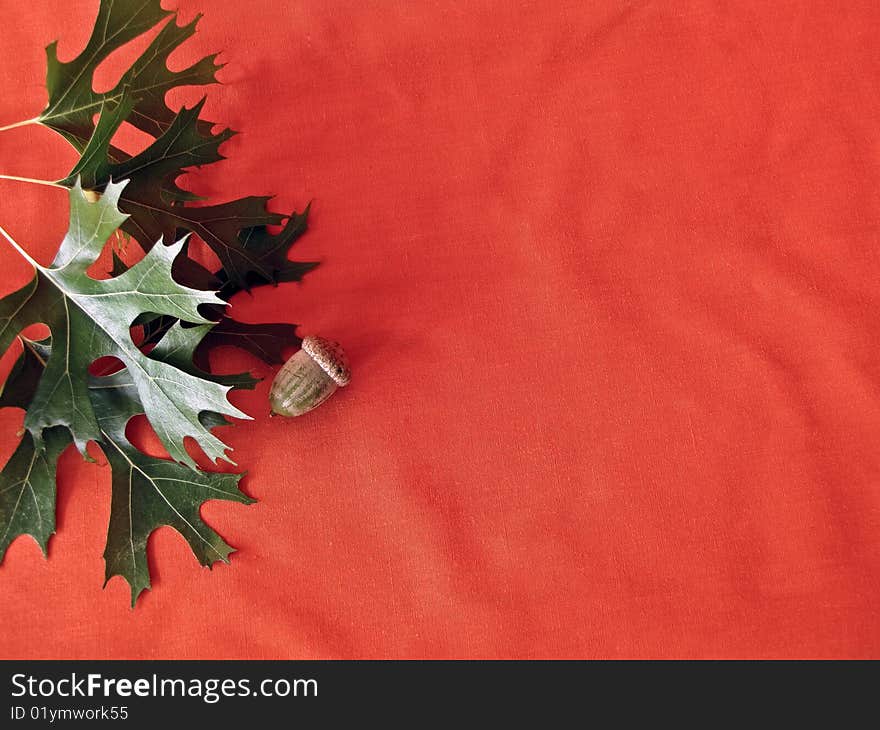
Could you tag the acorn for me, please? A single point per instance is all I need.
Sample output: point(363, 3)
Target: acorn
point(309, 378)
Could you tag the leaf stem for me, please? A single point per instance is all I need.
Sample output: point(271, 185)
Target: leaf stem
point(33, 181)
point(27, 257)
point(23, 123)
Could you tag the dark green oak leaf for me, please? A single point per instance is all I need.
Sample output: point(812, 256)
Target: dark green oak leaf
point(72, 99)
point(90, 319)
point(27, 482)
point(271, 250)
point(236, 231)
point(27, 489)
point(178, 346)
point(153, 172)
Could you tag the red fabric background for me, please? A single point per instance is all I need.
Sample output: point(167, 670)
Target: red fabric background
point(608, 273)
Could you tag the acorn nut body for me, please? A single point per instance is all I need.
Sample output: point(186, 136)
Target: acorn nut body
point(309, 378)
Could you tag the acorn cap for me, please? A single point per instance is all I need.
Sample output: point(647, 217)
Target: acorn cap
point(330, 356)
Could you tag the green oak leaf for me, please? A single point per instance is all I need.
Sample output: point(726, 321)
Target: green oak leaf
point(147, 492)
point(72, 100)
point(90, 319)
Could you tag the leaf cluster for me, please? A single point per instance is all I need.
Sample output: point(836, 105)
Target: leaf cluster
point(177, 305)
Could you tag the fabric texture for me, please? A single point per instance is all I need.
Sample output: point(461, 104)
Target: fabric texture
point(607, 273)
